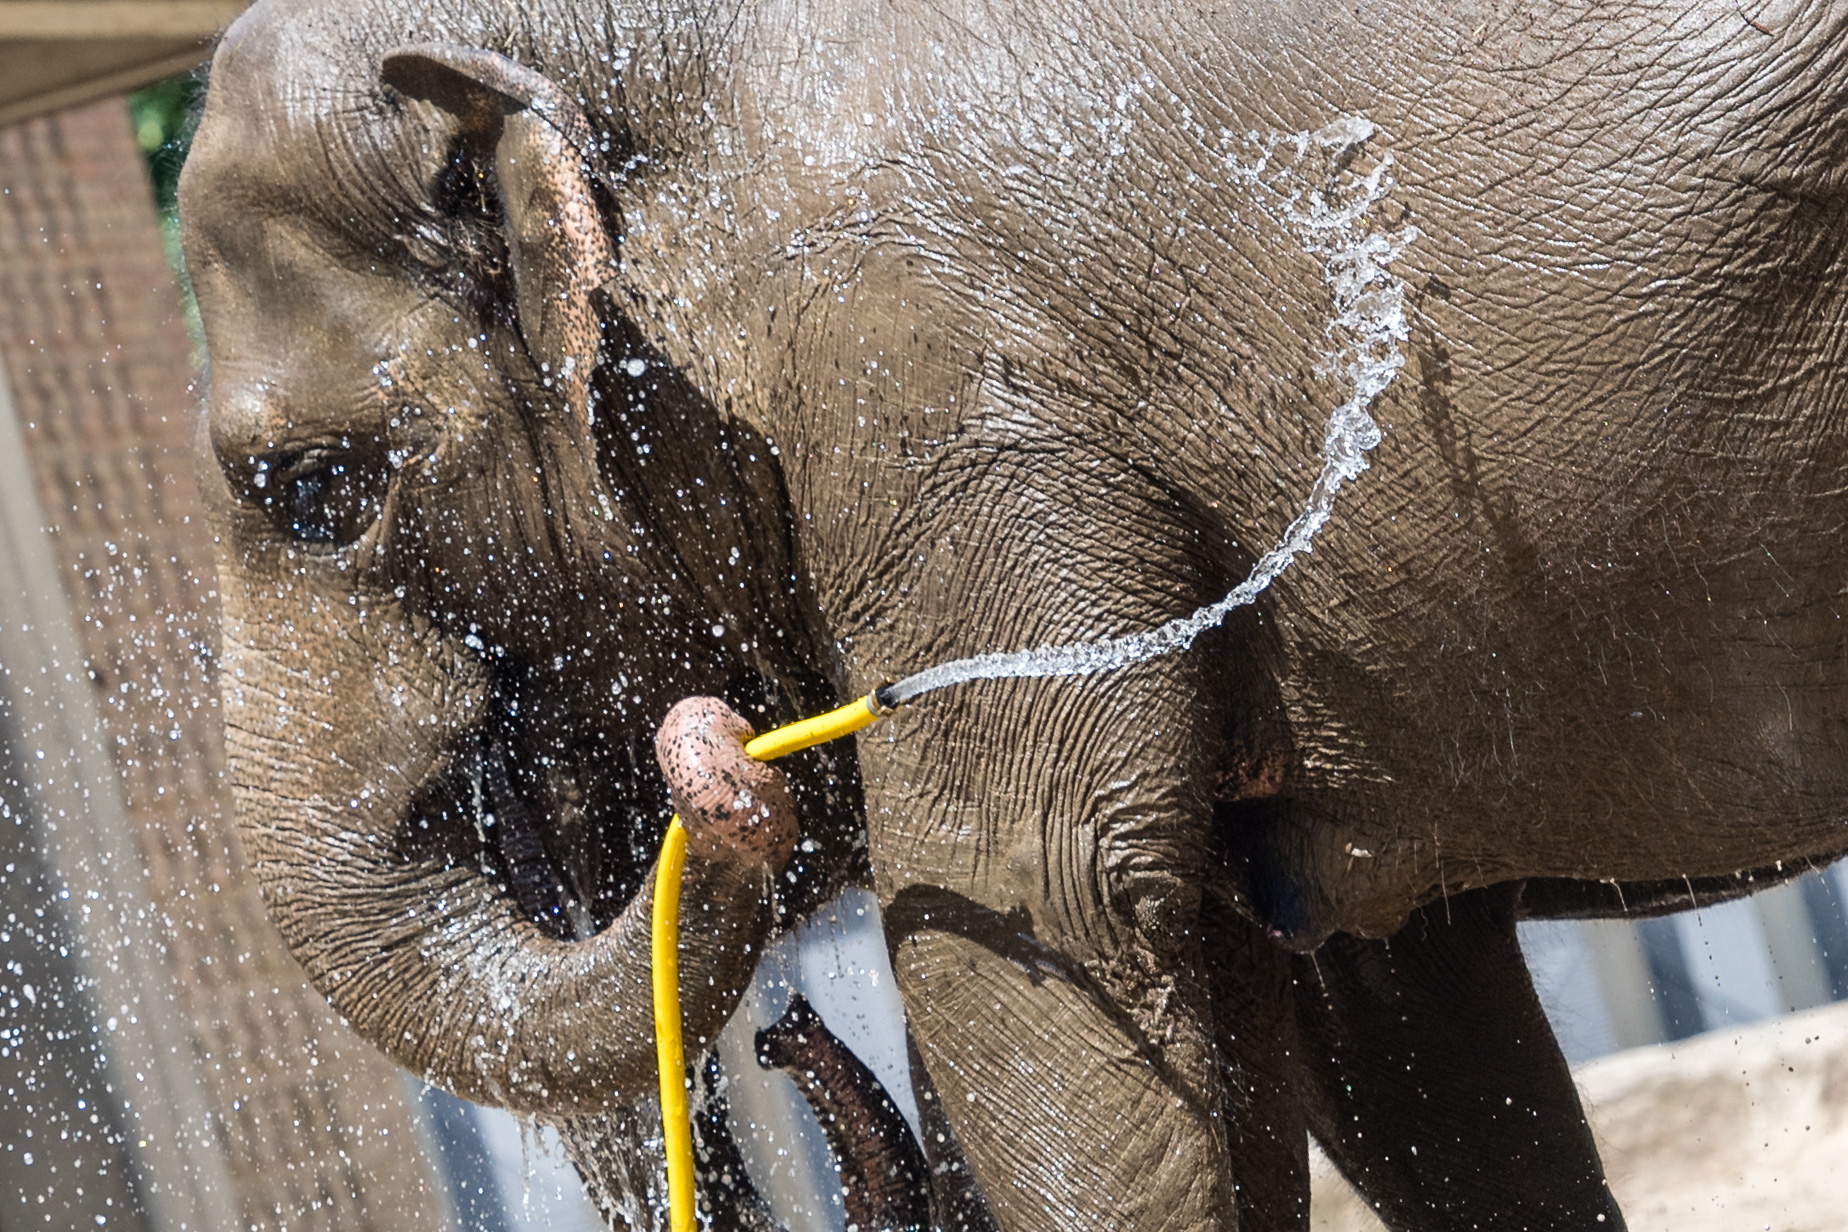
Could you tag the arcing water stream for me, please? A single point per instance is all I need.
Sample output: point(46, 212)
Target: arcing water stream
point(1368, 324)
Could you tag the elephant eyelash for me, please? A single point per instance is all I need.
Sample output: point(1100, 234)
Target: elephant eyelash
point(320, 497)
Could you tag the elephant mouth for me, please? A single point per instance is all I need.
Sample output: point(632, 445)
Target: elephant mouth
point(555, 794)
point(564, 813)
point(515, 846)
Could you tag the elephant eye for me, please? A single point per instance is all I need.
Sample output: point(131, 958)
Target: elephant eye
point(321, 497)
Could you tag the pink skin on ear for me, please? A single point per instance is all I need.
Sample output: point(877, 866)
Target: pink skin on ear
point(731, 804)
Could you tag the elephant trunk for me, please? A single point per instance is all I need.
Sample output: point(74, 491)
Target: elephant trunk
point(371, 859)
point(433, 960)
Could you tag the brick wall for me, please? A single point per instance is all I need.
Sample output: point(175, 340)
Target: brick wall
point(92, 339)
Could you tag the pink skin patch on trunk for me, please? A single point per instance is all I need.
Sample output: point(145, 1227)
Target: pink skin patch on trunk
point(731, 804)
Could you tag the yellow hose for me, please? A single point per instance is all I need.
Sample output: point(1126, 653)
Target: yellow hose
point(670, 1058)
point(807, 733)
point(670, 1055)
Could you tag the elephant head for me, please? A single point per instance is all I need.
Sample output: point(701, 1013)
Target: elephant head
point(474, 539)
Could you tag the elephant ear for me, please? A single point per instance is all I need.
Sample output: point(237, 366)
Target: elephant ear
point(562, 254)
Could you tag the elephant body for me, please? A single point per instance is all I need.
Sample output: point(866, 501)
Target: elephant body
point(574, 359)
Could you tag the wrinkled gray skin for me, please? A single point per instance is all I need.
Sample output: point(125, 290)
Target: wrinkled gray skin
point(955, 322)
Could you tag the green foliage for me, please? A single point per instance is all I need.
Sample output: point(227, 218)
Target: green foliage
point(164, 116)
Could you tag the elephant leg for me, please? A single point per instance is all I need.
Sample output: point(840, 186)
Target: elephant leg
point(956, 1200)
point(1434, 1082)
point(1040, 848)
point(885, 1183)
point(1254, 1019)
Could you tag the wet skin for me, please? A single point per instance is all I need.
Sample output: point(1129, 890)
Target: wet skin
point(872, 337)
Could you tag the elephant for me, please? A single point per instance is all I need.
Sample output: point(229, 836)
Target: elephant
point(572, 359)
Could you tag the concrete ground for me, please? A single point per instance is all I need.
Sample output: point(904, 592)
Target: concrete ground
point(1730, 1131)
